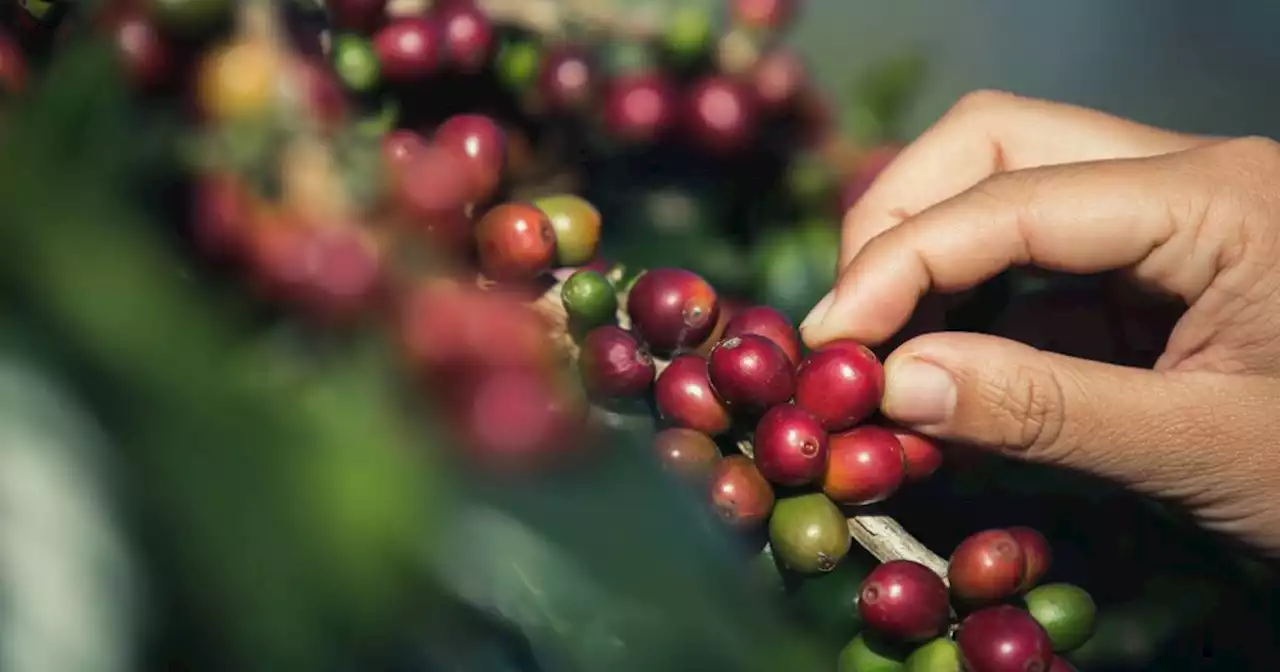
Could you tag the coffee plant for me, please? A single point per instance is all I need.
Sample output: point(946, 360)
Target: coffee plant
point(571, 219)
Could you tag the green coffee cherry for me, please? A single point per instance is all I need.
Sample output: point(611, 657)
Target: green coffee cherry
point(355, 63)
point(589, 299)
point(808, 533)
point(1066, 612)
point(939, 655)
point(870, 654)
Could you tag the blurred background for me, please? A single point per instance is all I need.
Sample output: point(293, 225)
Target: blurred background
point(1180, 64)
point(265, 461)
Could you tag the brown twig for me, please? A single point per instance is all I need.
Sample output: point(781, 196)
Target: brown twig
point(881, 535)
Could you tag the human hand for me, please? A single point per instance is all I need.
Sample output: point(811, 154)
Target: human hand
point(1002, 181)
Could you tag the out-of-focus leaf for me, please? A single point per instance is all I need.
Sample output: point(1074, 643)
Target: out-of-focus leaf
point(68, 580)
point(619, 569)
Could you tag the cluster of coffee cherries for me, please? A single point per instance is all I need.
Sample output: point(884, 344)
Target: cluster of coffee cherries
point(1007, 621)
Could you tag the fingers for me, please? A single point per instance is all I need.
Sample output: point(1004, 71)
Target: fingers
point(1078, 218)
point(987, 133)
point(1004, 396)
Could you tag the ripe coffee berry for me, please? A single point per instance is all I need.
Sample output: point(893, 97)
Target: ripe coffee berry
point(515, 242)
point(770, 323)
point(1036, 551)
point(467, 35)
point(739, 494)
point(922, 454)
point(672, 309)
point(566, 79)
point(904, 600)
point(482, 146)
point(751, 373)
point(841, 384)
point(865, 465)
point(408, 49)
point(613, 365)
point(790, 446)
point(720, 116)
point(1004, 639)
point(684, 397)
point(639, 108)
point(986, 567)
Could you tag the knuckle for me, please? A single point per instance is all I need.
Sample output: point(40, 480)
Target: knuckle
point(1029, 408)
point(981, 101)
point(1258, 151)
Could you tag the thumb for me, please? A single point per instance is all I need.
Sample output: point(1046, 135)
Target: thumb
point(1135, 426)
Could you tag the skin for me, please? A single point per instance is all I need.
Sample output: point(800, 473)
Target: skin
point(1002, 180)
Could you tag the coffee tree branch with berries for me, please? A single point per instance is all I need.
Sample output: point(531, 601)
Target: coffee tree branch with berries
point(335, 180)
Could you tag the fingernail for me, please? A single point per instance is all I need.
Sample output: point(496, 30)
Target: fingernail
point(918, 393)
point(819, 311)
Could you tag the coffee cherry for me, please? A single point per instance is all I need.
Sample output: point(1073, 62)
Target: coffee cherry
point(1060, 664)
point(750, 374)
point(904, 600)
point(1066, 612)
point(356, 62)
point(939, 655)
point(613, 365)
point(329, 272)
point(400, 147)
point(468, 37)
point(770, 323)
point(143, 52)
point(865, 465)
point(517, 65)
point(238, 80)
point(444, 327)
point(639, 108)
point(688, 33)
point(777, 79)
point(408, 49)
point(868, 653)
point(840, 384)
point(923, 456)
point(516, 242)
point(566, 79)
point(986, 567)
point(808, 533)
point(686, 452)
point(357, 16)
point(720, 116)
point(590, 300)
point(1003, 639)
point(429, 183)
point(763, 15)
point(482, 144)
point(672, 309)
point(577, 225)
point(739, 494)
point(790, 446)
point(684, 397)
point(1036, 551)
point(517, 418)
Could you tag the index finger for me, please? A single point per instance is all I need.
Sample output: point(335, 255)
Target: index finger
point(986, 133)
point(1078, 218)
